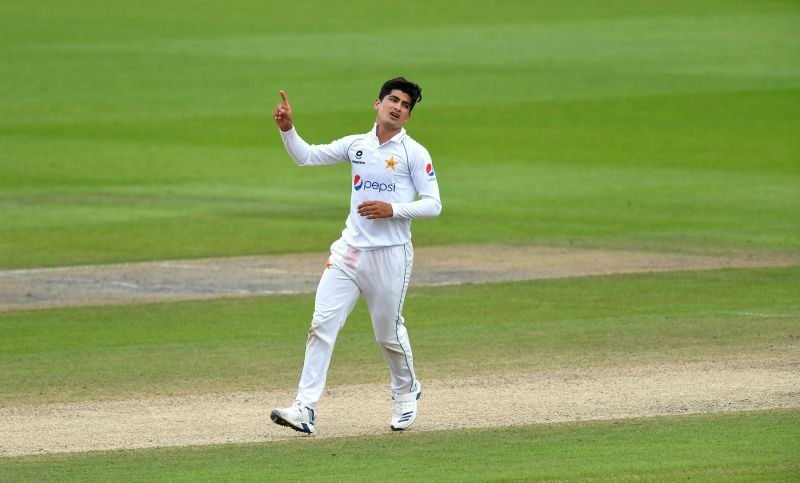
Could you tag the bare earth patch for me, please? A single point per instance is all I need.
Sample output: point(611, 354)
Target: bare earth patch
point(500, 400)
point(299, 273)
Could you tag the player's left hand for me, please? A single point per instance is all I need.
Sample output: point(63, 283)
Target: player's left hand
point(375, 209)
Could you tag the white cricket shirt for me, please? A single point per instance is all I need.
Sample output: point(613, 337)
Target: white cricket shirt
point(393, 172)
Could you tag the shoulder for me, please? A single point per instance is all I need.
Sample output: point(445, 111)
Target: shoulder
point(416, 151)
point(347, 140)
point(347, 143)
point(412, 143)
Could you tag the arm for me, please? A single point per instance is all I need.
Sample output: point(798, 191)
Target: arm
point(300, 151)
point(424, 207)
point(424, 178)
point(305, 154)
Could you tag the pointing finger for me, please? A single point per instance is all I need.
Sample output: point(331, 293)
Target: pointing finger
point(285, 100)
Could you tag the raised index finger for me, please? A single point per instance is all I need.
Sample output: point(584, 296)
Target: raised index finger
point(285, 100)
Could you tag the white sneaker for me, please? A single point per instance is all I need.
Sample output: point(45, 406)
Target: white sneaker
point(298, 416)
point(404, 410)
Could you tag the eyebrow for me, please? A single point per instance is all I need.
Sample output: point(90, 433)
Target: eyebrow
point(394, 97)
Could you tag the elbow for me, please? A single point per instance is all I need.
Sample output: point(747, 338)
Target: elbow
point(300, 161)
point(437, 207)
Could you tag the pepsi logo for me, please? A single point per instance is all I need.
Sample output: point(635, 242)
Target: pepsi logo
point(359, 182)
point(429, 169)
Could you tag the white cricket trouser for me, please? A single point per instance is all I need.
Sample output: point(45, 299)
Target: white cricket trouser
point(382, 275)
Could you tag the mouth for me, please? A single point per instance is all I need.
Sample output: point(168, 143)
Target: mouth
point(394, 115)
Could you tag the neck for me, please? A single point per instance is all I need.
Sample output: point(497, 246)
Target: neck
point(384, 133)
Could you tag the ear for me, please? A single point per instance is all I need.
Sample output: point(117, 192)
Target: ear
point(377, 103)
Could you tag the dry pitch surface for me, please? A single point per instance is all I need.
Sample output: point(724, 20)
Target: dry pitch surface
point(527, 397)
point(299, 273)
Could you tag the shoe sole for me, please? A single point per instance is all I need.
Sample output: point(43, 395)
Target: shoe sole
point(277, 419)
point(401, 429)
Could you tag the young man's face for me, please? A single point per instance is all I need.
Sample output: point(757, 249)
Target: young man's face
point(394, 109)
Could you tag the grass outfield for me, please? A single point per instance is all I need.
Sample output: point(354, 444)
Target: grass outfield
point(252, 344)
point(754, 446)
point(143, 132)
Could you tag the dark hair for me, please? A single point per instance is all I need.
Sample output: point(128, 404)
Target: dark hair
point(414, 91)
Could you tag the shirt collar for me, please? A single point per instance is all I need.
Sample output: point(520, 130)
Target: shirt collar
point(396, 138)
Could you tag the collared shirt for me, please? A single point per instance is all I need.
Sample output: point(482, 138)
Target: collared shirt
point(393, 172)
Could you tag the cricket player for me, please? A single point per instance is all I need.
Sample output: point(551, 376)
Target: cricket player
point(374, 255)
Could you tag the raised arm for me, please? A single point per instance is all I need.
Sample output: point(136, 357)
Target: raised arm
point(301, 152)
point(283, 114)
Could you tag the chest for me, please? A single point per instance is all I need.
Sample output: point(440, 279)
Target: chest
point(386, 162)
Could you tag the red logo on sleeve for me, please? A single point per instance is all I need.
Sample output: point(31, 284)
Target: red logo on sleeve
point(429, 169)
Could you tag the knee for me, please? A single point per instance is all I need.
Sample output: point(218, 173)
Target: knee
point(384, 341)
point(389, 344)
point(324, 326)
point(385, 334)
point(323, 318)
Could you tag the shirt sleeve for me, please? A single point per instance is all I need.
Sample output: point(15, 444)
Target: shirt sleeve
point(423, 177)
point(304, 154)
point(422, 208)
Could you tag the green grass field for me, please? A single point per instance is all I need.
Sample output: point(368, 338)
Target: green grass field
point(757, 446)
point(143, 132)
point(248, 344)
